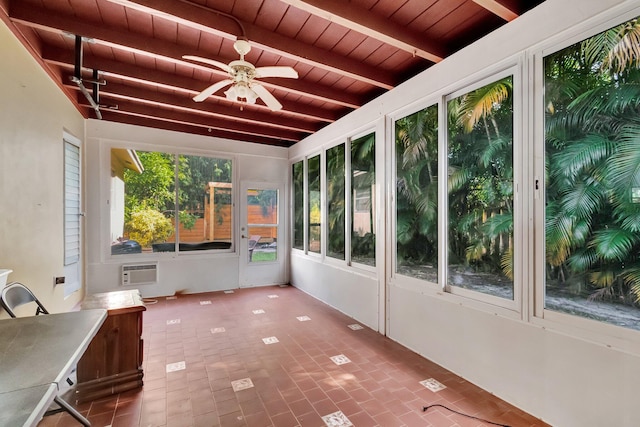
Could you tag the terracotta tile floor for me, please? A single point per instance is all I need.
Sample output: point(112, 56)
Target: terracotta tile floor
point(274, 356)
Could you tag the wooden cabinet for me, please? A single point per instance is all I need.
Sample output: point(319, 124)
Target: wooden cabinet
point(113, 361)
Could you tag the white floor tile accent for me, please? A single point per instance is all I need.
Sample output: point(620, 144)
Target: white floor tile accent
point(228, 291)
point(355, 327)
point(173, 321)
point(259, 311)
point(242, 384)
point(172, 297)
point(208, 302)
point(337, 419)
point(340, 359)
point(273, 296)
point(270, 340)
point(217, 330)
point(178, 366)
point(433, 385)
point(303, 318)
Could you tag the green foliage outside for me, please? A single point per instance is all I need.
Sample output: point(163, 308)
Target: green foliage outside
point(592, 100)
point(298, 205)
point(336, 201)
point(150, 200)
point(592, 173)
point(148, 226)
point(417, 188)
point(480, 182)
point(363, 179)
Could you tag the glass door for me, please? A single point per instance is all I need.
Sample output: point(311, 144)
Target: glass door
point(261, 260)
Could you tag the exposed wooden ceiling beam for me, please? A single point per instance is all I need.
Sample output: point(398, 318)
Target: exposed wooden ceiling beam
point(498, 8)
point(363, 21)
point(170, 81)
point(117, 117)
point(172, 115)
point(207, 20)
point(160, 49)
point(137, 94)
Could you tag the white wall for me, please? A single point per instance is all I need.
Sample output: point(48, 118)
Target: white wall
point(553, 370)
point(34, 113)
point(192, 272)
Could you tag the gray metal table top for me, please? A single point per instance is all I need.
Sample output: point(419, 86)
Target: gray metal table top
point(36, 354)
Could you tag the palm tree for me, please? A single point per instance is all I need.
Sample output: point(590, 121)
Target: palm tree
point(593, 165)
point(417, 188)
point(336, 201)
point(480, 184)
point(363, 179)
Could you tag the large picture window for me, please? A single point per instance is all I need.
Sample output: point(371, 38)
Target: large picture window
point(480, 190)
point(152, 211)
point(417, 194)
point(592, 178)
point(363, 183)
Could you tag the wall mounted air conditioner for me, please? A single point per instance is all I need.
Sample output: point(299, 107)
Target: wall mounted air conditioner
point(139, 274)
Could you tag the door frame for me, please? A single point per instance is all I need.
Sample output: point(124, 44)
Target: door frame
point(253, 274)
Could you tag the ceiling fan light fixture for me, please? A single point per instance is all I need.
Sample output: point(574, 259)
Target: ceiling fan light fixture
point(251, 96)
point(241, 78)
point(231, 94)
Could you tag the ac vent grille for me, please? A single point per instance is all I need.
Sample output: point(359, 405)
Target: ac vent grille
point(139, 274)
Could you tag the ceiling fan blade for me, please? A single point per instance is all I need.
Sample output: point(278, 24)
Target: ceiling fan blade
point(208, 61)
point(211, 90)
point(287, 72)
point(269, 100)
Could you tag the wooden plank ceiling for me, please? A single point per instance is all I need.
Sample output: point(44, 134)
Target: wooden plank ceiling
point(345, 53)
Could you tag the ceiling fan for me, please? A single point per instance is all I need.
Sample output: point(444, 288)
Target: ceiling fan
point(242, 75)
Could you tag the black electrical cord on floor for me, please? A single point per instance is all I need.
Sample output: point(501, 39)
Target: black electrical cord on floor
point(424, 409)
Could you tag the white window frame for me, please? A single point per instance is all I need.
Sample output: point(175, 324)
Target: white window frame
point(76, 257)
point(175, 151)
point(393, 275)
point(514, 306)
point(607, 334)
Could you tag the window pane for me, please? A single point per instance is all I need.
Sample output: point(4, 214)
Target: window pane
point(204, 206)
point(142, 200)
point(592, 184)
point(262, 216)
point(480, 186)
point(363, 183)
point(417, 194)
point(335, 201)
point(298, 205)
point(315, 213)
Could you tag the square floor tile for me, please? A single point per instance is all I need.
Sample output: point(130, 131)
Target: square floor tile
point(259, 311)
point(270, 340)
point(340, 359)
point(355, 327)
point(242, 384)
point(303, 318)
point(337, 419)
point(178, 366)
point(433, 385)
